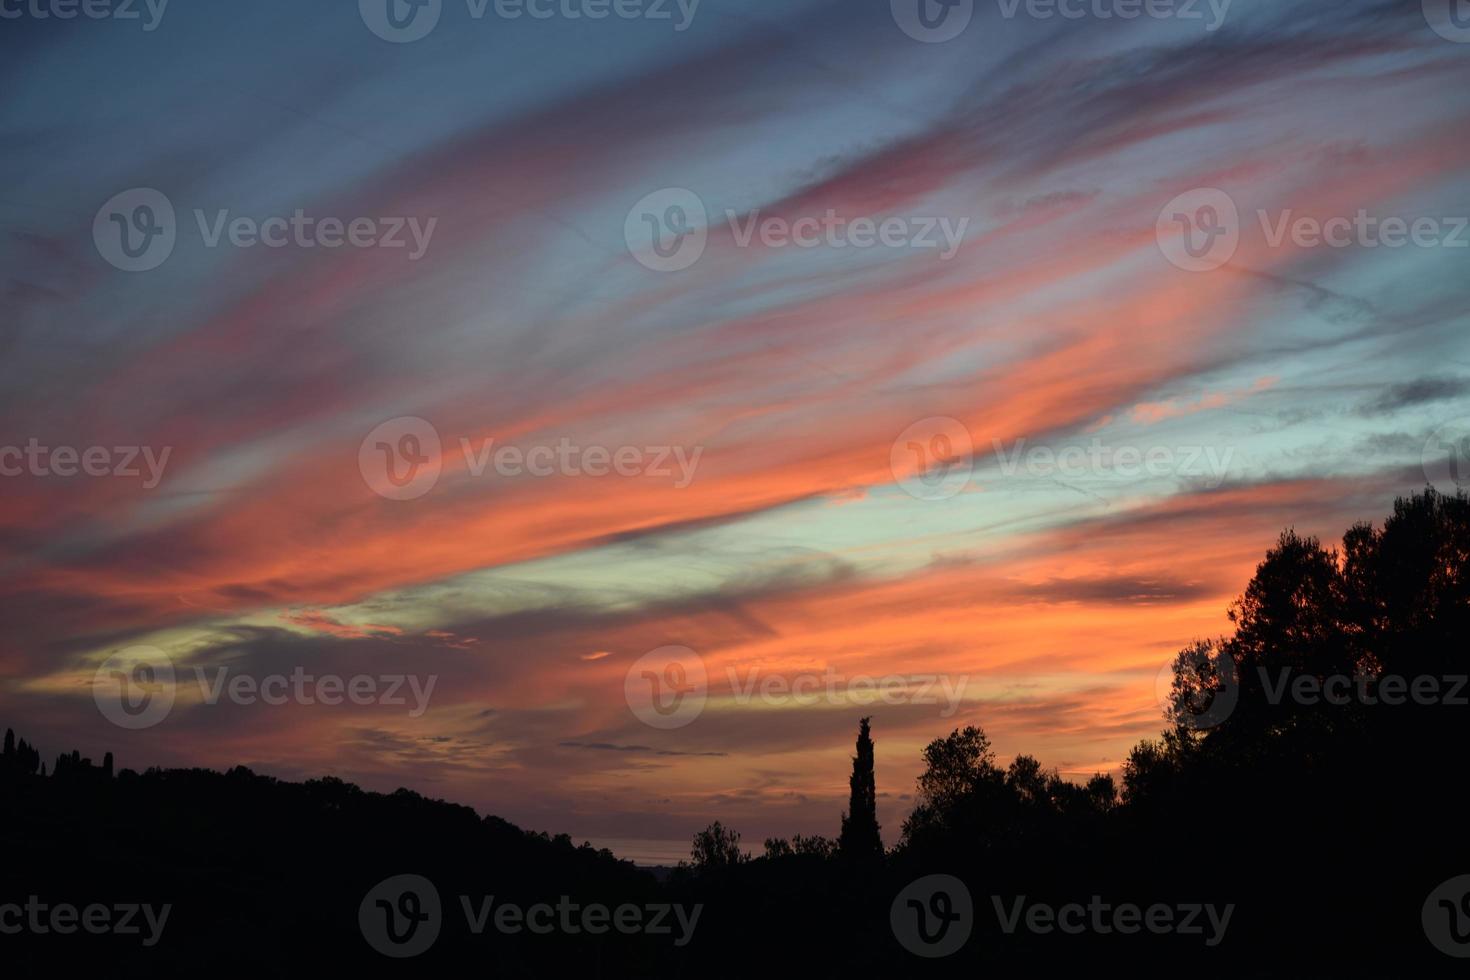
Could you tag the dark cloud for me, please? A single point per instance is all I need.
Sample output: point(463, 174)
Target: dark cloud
point(609, 747)
point(1423, 391)
point(1115, 589)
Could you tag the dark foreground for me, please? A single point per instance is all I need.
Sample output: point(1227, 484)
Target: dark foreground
point(1302, 816)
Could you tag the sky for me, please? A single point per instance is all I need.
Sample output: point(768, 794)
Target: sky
point(953, 369)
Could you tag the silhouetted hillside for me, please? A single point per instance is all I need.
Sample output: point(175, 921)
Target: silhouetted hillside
point(267, 876)
point(1301, 816)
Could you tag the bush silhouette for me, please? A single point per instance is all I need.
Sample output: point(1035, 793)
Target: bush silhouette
point(1324, 822)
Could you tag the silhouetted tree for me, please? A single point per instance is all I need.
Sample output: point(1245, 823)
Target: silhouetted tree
point(1324, 821)
point(716, 848)
point(958, 771)
point(860, 840)
point(26, 759)
point(1102, 791)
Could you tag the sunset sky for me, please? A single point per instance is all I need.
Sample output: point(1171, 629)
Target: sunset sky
point(1297, 384)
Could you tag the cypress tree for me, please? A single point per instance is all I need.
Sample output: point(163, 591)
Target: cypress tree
point(860, 840)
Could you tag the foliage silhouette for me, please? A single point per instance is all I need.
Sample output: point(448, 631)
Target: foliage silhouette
point(859, 841)
point(1325, 821)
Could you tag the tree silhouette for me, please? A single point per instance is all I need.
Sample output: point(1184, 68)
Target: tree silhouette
point(1319, 820)
point(860, 840)
point(715, 848)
